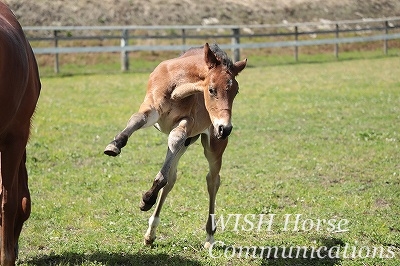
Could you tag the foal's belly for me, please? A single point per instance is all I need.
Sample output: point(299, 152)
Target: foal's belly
point(191, 108)
point(197, 124)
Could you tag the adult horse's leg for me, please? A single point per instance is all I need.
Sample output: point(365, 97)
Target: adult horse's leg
point(154, 220)
point(24, 201)
point(176, 142)
point(11, 157)
point(141, 119)
point(213, 150)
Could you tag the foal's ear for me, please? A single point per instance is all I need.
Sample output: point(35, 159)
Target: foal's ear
point(239, 66)
point(209, 56)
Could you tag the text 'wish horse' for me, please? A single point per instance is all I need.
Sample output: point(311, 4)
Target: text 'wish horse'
point(186, 97)
point(19, 93)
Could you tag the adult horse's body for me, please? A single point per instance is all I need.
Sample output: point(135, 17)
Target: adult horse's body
point(19, 92)
point(186, 97)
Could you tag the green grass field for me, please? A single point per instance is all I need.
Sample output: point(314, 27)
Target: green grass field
point(316, 140)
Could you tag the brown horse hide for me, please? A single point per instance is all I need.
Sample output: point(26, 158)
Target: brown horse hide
point(19, 92)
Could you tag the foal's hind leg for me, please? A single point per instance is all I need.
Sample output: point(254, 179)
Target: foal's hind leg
point(213, 150)
point(176, 142)
point(154, 220)
point(138, 120)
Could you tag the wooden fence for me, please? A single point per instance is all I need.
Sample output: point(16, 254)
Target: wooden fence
point(233, 37)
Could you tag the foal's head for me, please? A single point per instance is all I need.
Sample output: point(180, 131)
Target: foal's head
point(222, 88)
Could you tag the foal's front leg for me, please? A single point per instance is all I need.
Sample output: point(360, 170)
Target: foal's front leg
point(213, 150)
point(138, 120)
point(176, 142)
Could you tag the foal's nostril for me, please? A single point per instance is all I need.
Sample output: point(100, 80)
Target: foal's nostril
point(224, 131)
point(221, 130)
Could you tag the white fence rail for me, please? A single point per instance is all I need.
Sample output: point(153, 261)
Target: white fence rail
point(365, 30)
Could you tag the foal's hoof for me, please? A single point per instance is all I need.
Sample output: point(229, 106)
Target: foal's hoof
point(112, 150)
point(207, 245)
point(148, 241)
point(147, 202)
point(145, 206)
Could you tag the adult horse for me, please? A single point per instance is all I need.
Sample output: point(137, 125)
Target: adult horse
point(186, 97)
point(19, 92)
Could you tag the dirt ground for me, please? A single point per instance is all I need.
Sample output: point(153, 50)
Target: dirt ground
point(190, 12)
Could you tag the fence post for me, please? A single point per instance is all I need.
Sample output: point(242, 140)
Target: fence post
point(124, 53)
point(235, 42)
point(385, 42)
point(183, 39)
point(56, 63)
point(336, 44)
point(296, 48)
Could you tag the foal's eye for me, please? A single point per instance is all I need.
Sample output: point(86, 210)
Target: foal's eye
point(212, 91)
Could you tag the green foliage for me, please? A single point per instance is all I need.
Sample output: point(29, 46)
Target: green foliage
point(320, 140)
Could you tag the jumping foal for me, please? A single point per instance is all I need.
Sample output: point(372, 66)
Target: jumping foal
point(186, 97)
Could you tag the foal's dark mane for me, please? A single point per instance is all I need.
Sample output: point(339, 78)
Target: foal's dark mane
point(220, 54)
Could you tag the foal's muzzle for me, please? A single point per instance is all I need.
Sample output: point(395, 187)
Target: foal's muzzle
point(224, 131)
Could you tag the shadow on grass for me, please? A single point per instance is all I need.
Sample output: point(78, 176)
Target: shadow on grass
point(300, 261)
point(306, 256)
point(111, 259)
point(287, 255)
point(270, 256)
